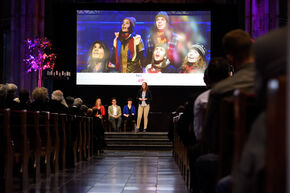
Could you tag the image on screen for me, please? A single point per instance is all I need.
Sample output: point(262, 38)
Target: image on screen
point(129, 47)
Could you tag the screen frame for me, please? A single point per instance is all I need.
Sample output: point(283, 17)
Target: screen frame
point(137, 7)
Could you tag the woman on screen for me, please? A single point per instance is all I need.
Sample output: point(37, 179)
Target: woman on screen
point(144, 99)
point(128, 49)
point(163, 33)
point(195, 60)
point(99, 57)
point(160, 62)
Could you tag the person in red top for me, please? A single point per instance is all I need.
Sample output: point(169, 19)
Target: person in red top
point(99, 109)
point(98, 134)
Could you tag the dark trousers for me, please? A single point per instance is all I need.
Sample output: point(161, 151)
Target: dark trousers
point(129, 123)
point(116, 123)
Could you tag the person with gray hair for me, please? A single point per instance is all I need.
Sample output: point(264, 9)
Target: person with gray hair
point(75, 109)
point(11, 92)
point(40, 100)
point(57, 103)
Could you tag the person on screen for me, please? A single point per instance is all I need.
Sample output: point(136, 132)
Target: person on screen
point(99, 57)
point(195, 60)
point(128, 49)
point(163, 33)
point(160, 62)
point(129, 113)
point(144, 97)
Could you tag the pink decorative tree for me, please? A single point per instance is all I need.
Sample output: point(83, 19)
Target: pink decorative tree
point(39, 56)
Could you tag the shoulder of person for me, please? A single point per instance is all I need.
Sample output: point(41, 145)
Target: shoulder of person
point(137, 38)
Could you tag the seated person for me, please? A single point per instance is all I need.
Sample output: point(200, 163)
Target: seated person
point(99, 109)
point(160, 62)
point(57, 103)
point(115, 113)
point(40, 100)
point(129, 112)
point(218, 69)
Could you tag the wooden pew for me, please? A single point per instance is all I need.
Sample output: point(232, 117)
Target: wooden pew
point(226, 139)
point(62, 130)
point(245, 113)
point(44, 131)
point(79, 138)
point(276, 136)
point(84, 138)
point(20, 146)
point(89, 137)
point(53, 122)
point(71, 150)
point(6, 158)
point(34, 144)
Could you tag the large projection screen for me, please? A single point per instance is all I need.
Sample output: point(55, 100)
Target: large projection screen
point(165, 48)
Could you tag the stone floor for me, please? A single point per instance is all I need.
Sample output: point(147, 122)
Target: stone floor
point(118, 172)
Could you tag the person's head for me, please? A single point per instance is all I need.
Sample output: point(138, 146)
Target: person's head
point(78, 102)
point(114, 101)
point(99, 52)
point(84, 109)
point(128, 25)
point(11, 90)
point(159, 53)
point(89, 112)
point(130, 101)
point(238, 47)
point(98, 102)
point(69, 100)
point(196, 55)
point(144, 86)
point(57, 95)
point(161, 20)
point(24, 96)
point(40, 94)
point(218, 69)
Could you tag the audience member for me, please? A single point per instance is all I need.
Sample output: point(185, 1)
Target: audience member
point(271, 61)
point(57, 103)
point(75, 109)
point(24, 99)
point(115, 113)
point(238, 49)
point(129, 113)
point(217, 70)
point(11, 92)
point(40, 100)
point(70, 101)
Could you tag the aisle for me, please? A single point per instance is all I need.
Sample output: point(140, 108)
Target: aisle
point(119, 172)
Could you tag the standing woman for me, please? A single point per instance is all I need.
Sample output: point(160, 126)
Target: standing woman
point(144, 99)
